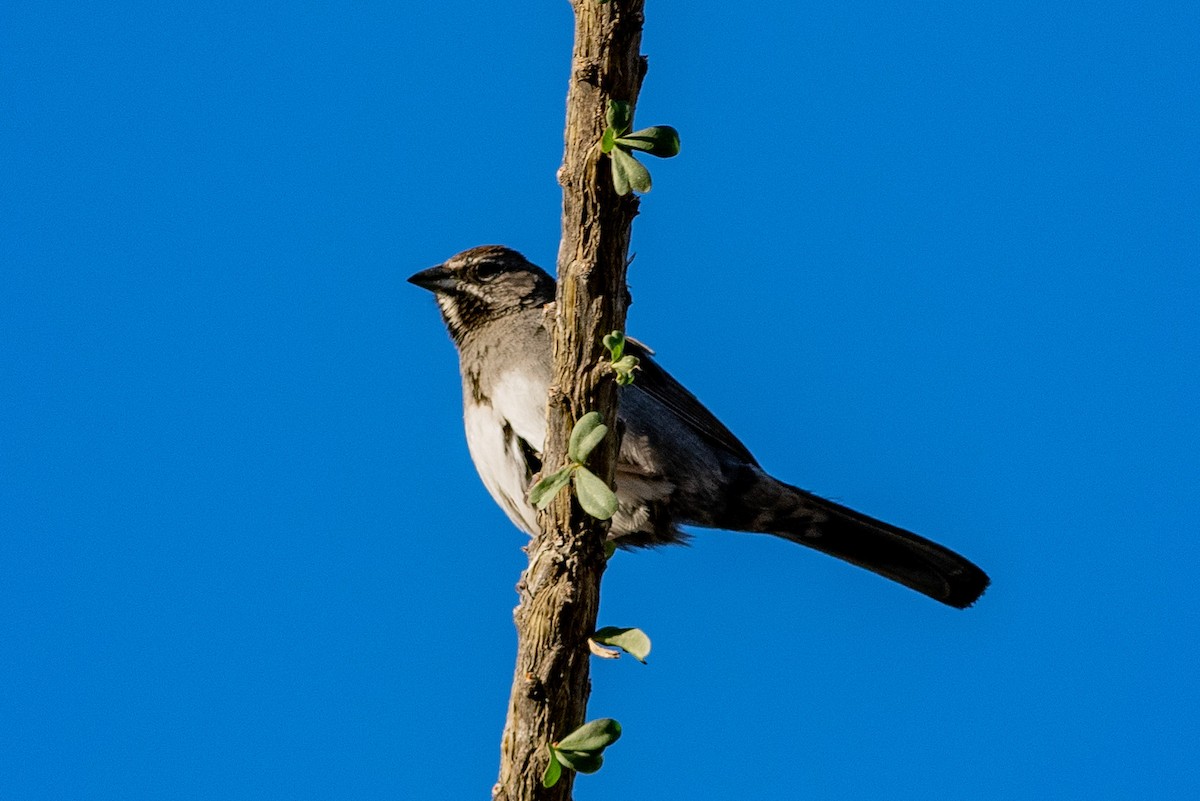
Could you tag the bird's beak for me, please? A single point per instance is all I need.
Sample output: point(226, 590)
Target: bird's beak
point(435, 279)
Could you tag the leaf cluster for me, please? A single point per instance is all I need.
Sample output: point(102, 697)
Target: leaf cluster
point(622, 365)
point(632, 641)
point(618, 143)
point(596, 498)
point(582, 750)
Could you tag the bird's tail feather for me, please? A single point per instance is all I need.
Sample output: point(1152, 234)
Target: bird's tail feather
point(886, 550)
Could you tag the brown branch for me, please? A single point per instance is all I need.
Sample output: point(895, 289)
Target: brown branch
point(560, 590)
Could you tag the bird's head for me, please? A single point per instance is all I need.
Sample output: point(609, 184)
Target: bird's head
point(483, 284)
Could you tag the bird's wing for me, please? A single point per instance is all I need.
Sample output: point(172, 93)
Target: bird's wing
point(660, 385)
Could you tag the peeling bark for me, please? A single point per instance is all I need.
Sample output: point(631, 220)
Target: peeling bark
point(560, 590)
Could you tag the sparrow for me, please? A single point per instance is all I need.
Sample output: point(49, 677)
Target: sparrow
point(678, 465)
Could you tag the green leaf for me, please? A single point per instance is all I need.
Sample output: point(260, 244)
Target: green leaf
point(618, 116)
point(626, 364)
point(615, 342)
point(582, 761)
point(543, 492)
point(658, 140)
point(628, 172)
point(595, 735)
point(594, 495)
point(585, 436)
point(619, 175)
point(632, 641)
point(610, 548)
point(624, 368)
point(608, 139)
point(553, 770)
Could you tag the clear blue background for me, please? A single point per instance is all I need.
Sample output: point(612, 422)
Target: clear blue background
point(940, 261)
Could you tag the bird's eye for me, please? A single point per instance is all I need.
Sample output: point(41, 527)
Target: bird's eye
point(487, 271)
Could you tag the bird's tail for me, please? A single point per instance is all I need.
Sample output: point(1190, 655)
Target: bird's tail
point(891, 552)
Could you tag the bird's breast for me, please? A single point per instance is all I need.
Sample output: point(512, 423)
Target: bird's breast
point(499, 460)
point(499, 411)
point(519, 397)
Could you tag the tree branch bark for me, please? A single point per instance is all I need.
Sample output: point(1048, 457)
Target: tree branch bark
point(560, 590)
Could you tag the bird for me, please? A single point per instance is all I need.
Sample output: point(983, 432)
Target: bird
point(678, 465)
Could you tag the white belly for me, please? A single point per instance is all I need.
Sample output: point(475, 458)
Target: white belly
point(519, 406)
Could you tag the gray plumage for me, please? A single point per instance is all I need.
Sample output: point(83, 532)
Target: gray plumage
point(678, 464)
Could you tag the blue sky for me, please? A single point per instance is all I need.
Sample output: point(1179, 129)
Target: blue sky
point(938, 261)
